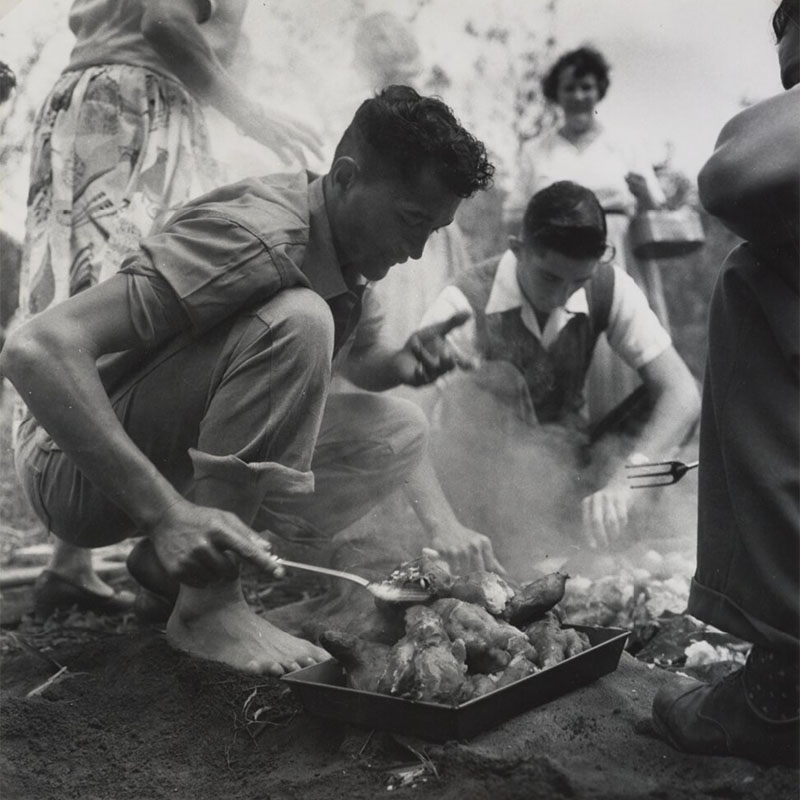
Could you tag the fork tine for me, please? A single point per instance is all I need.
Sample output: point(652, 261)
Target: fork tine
point(656, 473)
point(647, 472)
point(652, 468)
point(651, 484)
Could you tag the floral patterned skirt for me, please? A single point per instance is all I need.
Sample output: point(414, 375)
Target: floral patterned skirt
point(116, 149)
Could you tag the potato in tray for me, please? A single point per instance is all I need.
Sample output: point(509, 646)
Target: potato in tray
point(477, 633)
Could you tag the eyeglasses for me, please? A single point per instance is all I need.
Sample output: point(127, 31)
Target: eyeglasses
point(608, 255)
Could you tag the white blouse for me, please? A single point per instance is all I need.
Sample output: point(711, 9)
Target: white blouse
point(600, 165)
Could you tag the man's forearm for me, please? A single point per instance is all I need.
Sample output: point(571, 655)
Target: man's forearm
point(178, 39)
point(376, 369)
point(676, 406)
point(674, 415)
point(62, 388)
point(671, 422)
point(424, 492)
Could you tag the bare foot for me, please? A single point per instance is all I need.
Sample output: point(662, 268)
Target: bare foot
point(217, 624)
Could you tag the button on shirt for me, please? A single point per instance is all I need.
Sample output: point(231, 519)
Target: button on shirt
point(634, 331)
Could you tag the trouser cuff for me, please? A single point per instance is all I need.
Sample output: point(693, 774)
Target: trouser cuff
point(267, 476)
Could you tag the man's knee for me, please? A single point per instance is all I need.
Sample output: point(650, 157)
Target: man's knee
point(399, 423)
point(277, 357)
point(300, 321)
point(384, 435)
point(269, 384)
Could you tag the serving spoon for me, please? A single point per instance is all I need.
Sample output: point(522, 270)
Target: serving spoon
point(383, 590)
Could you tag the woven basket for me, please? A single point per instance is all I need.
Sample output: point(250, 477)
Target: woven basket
point(666, 233)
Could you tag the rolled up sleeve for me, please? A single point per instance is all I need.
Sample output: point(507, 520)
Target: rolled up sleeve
point(214, 266)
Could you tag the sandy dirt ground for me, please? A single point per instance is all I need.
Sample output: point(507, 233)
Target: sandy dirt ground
point(135, 719)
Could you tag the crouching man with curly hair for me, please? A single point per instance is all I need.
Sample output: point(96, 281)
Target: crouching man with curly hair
point(181, 400)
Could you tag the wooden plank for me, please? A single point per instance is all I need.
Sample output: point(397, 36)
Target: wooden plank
point(22, 576)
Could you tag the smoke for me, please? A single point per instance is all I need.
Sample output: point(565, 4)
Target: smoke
point(522, 486)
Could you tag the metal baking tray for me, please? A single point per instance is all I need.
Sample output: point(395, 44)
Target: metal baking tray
point(321, 689)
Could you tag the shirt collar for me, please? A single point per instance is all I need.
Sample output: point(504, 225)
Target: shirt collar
point(507, 295)
point(320, 263)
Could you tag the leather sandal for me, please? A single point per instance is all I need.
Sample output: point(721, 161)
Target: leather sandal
point(53, 593)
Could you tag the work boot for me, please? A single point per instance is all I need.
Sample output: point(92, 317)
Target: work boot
point(720, 719)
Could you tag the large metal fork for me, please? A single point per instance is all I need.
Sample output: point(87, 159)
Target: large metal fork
point(658, 473)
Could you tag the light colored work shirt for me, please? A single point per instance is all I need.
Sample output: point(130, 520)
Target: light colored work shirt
point(600, 165)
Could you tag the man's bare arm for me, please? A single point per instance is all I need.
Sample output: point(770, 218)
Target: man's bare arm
point(51, 360)
point(464, 549)
point(675, 411)
point(425, 357)
point(676, 407)
point(173, 30)
point(752, 180)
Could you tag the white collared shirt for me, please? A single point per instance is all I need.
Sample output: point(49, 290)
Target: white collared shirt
point(634, 331)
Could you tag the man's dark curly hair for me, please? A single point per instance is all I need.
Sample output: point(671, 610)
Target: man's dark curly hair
point(585, 61)
point(398, 132)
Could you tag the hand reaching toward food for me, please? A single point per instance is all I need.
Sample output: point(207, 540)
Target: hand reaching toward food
point(465, 549)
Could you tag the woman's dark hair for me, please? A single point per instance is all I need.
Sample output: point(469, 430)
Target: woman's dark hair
point(568, 218)
point(787, 13)
point(398, 132)
point(585, 61)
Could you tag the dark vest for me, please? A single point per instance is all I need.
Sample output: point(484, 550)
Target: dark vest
point(555, 377)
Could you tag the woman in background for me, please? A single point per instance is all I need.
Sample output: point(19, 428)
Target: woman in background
point(121, 138)
point(119, 142)
point(586, 151)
